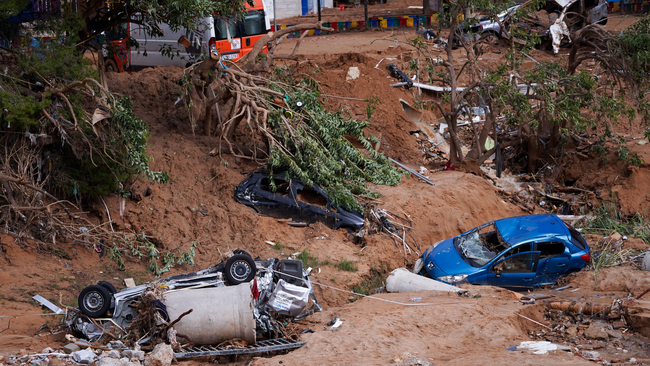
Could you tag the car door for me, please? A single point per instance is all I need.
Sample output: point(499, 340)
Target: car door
point(554, 259)
point(516, 268)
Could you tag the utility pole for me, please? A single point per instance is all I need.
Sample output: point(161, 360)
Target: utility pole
point(319, 10)
point(365, 7)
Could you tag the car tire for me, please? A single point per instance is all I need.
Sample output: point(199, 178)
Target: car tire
point(94, 301)
point(111, 66)
point(490, 38)
point(107, 285)
point(240, 268)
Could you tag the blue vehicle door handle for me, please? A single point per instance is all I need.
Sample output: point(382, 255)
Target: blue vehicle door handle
point(527, 279)
point(560, 265)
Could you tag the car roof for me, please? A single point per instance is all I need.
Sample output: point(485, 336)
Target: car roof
point(519, 229)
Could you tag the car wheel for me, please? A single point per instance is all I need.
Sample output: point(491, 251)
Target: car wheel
point(490, 37)
point(111, 66)
point(94, 301)
point(107, 285)
point(240, 268)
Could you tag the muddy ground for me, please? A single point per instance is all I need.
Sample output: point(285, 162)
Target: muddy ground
point(196, 206)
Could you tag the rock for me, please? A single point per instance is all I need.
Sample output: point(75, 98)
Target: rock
point(55, 362)
point(70, 348)
point(85, 356)
point(614, 333)
point(591, 354)
point(572, 331)
point(161, 355)
point(615, 238)
point(645, 265)
point(112, 353)
point(596, 332)
point(133, 354)
point(618, 324)
point(48, 350)
point(116, 345)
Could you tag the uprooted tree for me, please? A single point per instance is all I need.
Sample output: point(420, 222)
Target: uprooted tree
point(69, 142)
point(280, 122)
point(536, 110)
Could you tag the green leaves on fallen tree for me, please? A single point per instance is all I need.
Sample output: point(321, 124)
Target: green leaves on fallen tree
point(315, 146)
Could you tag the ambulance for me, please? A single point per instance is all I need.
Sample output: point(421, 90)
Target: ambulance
point(231, 37)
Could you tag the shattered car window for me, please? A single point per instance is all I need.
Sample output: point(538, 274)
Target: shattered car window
point(479, 246)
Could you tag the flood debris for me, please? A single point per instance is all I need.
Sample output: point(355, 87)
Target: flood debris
point(396, 227)
point(538, 347)
point(239, 301)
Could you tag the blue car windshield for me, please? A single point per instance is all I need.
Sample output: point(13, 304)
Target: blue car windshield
point(480, 245)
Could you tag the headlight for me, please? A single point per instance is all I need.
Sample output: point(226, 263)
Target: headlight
point(452, 279)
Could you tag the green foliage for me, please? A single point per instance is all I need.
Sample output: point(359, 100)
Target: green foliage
point(315, 147)
point(131, 134)
point(23, 111)
point(347, 265)
point(374, 280)
point(159, 263)
point(635, 41)
point(11, 7)
point(371, 106)
point(609, 219)
point(308, 260)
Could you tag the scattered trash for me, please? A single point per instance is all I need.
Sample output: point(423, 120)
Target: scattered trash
point(415, 299)
point(336, 325)
point(411, 171)
point(129, 282)
point(538, 347)
point(396, 227)
point(43, 301)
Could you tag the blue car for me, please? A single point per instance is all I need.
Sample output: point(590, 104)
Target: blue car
point(517, 252)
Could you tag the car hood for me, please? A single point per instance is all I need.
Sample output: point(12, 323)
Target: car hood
point(446, 260)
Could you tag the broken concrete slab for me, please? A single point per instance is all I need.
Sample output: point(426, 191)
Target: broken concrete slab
point(638, 315)
point(70, 348)
point(84, 356)
point(402, 280)
point(161, 355)
point(596, 331)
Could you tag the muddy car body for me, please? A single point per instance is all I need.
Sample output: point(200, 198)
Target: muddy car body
point(516, 252)
point(294, 200)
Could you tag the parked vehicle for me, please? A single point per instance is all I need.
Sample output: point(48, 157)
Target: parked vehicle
point(230, 37)
point(234, 38)
point(292, 199)
point(516, 252)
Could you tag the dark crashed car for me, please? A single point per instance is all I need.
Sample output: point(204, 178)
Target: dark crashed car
point(516, 252)
point(294, 200)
